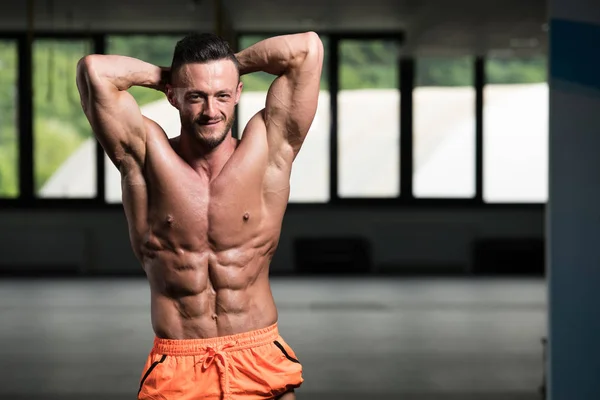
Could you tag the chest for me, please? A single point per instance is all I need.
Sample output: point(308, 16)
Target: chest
point(190, 211)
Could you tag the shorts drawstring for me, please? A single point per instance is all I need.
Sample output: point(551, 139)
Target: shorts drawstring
point(218, 355)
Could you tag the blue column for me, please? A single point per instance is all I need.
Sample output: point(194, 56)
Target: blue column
point(573, 217)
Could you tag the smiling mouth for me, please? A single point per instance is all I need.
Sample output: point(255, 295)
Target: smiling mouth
point(209, 122)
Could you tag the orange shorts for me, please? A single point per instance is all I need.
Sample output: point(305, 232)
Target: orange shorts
point(252, 365)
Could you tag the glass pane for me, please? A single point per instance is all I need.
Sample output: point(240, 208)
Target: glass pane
point(157, 50)
point(310, 173)
point(444, 128)
point(9, 100)
point(64, 148)
point(368, 119)
point(515, 130)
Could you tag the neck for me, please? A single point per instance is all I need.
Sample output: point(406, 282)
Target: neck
point(201, 159)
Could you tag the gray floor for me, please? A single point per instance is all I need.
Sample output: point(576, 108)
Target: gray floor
point(397, 338)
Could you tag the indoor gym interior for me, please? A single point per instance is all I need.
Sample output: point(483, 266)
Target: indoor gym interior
point(415, 257)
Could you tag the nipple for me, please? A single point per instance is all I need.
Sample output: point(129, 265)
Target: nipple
point(246, 217)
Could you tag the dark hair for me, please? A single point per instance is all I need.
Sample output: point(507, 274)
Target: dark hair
point(201, 48)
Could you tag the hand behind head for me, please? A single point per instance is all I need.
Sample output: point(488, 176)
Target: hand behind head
point(165, 79)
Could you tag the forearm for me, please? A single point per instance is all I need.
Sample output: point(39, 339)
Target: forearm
point(121, 71)
point(278, 54)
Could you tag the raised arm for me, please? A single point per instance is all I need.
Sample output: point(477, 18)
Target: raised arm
point(292, 99)
point(113, 113)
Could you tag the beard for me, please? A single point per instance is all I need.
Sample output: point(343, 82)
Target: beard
point(209, 140)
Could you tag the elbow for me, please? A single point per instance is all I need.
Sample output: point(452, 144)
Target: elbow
point(314, 53)
point(87, 68)
point(314, 45)
point(81, 78)
point(310, 51)
point(84, 65)
point(83, 72)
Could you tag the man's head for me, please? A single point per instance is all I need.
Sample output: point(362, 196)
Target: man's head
point(205, 87)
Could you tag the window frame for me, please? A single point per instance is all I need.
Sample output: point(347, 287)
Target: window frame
point(26, 198)
point(480, 147)
point(97, 42)
point(335, 69)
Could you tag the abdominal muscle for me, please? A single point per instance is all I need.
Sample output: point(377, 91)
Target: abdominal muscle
point(202, 294)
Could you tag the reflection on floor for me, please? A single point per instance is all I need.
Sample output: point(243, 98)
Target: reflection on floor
point(367, 338)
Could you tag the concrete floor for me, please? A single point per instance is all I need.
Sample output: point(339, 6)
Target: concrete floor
point(392, 338)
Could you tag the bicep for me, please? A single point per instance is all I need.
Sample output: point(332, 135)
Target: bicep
point(292, 102)
point(115, 118)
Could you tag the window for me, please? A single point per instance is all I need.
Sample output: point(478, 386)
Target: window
point(368, 119)
point(9, 91)
point(444, 128)
point(309, 182)
point(515, 130)
point(157, 50)
point(64, 149)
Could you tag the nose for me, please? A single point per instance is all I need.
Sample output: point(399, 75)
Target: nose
point(210, 110)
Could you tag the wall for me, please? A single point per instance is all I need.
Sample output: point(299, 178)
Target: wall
point(97, 242)
point(573, 213)
point(432, 26)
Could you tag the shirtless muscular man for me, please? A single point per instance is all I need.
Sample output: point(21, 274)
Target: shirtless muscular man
point(205, 210)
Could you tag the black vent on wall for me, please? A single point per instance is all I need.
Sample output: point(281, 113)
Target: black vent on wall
point(521, 257)
point(332, 256)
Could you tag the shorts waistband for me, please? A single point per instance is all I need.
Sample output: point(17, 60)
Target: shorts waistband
point(190, 347)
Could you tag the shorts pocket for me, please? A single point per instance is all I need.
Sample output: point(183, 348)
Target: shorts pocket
point(287, 354)
point(150, 369)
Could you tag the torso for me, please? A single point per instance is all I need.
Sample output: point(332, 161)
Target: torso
point(206, 243)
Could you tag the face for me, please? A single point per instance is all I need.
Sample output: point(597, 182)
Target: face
point(206, 96)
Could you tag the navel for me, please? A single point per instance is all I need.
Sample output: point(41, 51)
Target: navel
point(170, 219)
point(246, 217)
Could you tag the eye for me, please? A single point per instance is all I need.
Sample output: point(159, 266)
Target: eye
point(194, 97)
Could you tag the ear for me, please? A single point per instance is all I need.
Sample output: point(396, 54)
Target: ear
point(238, 92)
point(170, 92)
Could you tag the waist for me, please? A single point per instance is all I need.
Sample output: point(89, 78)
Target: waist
point(208, 315)
point(239, 341)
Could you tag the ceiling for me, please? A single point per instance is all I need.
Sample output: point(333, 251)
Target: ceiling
point(429, 26)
